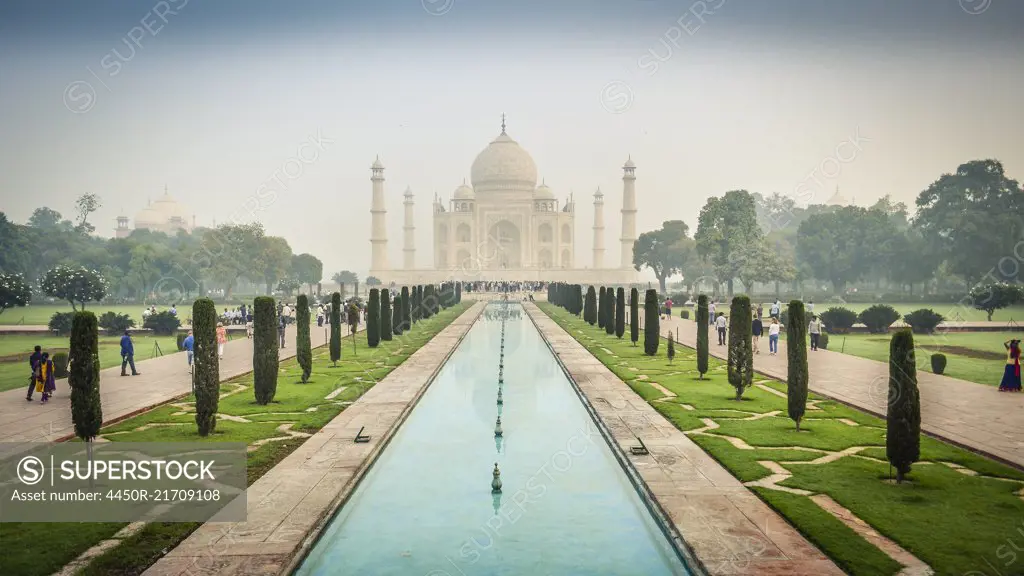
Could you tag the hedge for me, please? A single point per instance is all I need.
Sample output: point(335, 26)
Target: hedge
point(206, 365)
point(264, 349)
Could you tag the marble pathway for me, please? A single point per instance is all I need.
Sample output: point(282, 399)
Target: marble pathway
point(967, 413)
point(727, 527)
point(288, 504)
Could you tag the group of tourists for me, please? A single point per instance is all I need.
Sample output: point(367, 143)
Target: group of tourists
point(42, 379)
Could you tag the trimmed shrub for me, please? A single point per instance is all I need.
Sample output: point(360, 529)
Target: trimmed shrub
point(878, 318)
point(84, 376)
point(335, 345)
point(590, 307)
point(264, 349)
point(396, 316)
point(938, 363)
point(741, 353)
point(634, 315)
point(609, 313)
point(373, 319)
point(685, 314)
point(61, 322)
point(385, 315)
point(923, 321)
point(823, 341)
point(115, 323)
point(162, 323)
point(578, 300)
point(602, 307)
point(206, 371)
point(620, 312)
point(303, 346)
point(838, 320)
point(796, 357)
point(458, 293)
point(60, 365)
point(407, 307)
point(670, 351)
point(702, 335)
point(903, 417)
point(652, 322)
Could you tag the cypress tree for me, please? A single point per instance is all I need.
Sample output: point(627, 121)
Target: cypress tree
point(206, 373)
point(590, 307)
point(336, 328)
point(702, 335)
point(458, 292)
point(396, 316)
point(609, 319)
point(84, 376)
point(634, 315)
point(602, 307)
point(414, 304)
point(303, 347)
point(796, 357)
point(671, 350)
point(578, 299)
point(620, 312)
point(652, 325)
point(264, 349)
point(741, 351)
point(903, 417)
point(406, 310)
point(385, 315)
point(373, 318)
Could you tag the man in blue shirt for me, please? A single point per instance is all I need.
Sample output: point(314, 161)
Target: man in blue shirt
point(33, 362)
point(187, 345)
point(127, 354)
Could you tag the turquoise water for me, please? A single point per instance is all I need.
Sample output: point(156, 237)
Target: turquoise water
point(426, 507)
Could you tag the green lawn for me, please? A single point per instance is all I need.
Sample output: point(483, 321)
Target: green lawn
point(39, 315)
point(42, 549)
point(15, 350)
point(949, 310)
point(948, 519)
point(974, 356)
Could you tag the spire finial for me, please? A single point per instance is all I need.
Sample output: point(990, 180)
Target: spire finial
point(502, 122)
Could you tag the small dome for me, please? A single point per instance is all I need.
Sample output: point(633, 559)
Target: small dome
point(463, 192)
point(503, 165)
point(377, 165)
point(543, 192)
point(629, 163)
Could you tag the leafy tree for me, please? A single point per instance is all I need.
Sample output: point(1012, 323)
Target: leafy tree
point(702, 335)
point(634, 315)
point(162, 323)
point(878, 318)
point(206, 377)
point(838, 320)
point(923, 321)
point(665, 251)
point(842, 246)
point(972, 217)
point(912, 260)
point(796, 357)
point(903, 416)
point(724, 226)
point(84, 377)
point(741, 353)
point(345, 277)
point(373, 281)
point(274, 261)
point(373, 319)
point(307, 269)
point(265, 360)
point(231, 252)
point(288, 285)
point(303, 346)
point(61, 322)
point(86, 204)
point(46, 219)
point(335, 345)
point(76, 285)
point(590, 307)
point(652, 322)
point(995, 296)
point(114, 323)
point(385, 315)
point(620, 312)
point(14, 291)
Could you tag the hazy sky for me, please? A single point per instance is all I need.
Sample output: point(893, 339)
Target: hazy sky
point(214, 98)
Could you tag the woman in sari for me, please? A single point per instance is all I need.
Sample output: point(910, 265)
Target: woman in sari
point(45, 382)
point(1011, 374)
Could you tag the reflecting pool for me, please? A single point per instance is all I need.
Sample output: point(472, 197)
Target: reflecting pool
point(426, 506)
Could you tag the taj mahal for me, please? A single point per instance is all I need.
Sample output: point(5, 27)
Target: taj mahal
point(503, 226)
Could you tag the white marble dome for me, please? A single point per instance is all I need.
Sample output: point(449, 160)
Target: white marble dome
point(543, 192)
point(504, 165)
point(463, 192)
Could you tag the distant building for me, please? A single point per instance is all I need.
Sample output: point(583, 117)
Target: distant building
point(165, 215)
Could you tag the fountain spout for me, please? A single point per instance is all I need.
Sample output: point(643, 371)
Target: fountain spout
point(496, 481)
point(497, 427)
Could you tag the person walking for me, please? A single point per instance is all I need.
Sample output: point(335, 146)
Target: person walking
point(222, 339)
point(45, 383)
point(720, 324)
point(711, 313)
point(280, 329)
point(1011, 374)
point(33, 363)
point(775, 309)
point(127, 354)
point(760, 311)
point(773, 336)
point(756, 329)
point(188, 345)
point(668, 307)
point(810, 306)
point(814, 329)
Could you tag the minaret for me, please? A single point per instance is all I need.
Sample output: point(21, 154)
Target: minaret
point(628, 213)
point(598, 229)
point(409, 248)
point(378, 223)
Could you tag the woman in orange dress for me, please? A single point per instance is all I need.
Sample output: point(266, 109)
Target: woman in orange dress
point(222, 338)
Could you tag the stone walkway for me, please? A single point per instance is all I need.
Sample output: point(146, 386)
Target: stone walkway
point(728, 528)
point(161, 379)
point(288, 505)
point(970, 414)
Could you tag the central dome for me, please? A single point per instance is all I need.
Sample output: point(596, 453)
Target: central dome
point(504, 165)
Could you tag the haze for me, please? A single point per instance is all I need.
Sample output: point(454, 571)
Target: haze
point(752, 94)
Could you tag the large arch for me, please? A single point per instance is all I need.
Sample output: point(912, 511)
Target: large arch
point(463, 260)
point(504, 246)
point(544, 234)
point(463, 233)
point(544, 258)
